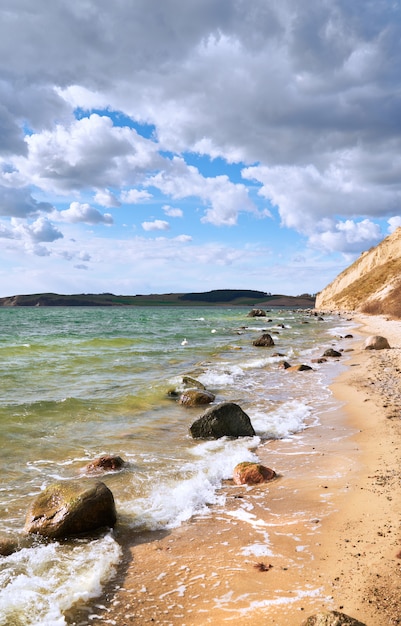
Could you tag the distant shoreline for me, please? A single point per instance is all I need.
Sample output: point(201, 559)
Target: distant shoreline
point(218, 297)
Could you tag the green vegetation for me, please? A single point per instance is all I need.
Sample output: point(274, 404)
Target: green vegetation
point(218, 297)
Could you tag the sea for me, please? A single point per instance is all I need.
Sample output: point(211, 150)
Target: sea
point(81, 382)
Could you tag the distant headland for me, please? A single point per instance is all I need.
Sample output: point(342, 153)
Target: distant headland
point(216, 297)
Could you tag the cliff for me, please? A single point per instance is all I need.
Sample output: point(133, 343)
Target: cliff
point(372, 284)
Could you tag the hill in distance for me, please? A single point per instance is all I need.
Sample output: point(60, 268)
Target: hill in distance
point(372, 284)
point(217, 297)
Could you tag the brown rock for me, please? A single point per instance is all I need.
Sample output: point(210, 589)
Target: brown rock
point(331, 352)
point(196, 397)
point(265, 341)
point(252, 474)
point(321, 359)
point(257, 313)
point(331, 618)
point(375, 342)
point(299, 368)
point(106, 463)
point(71, 508)
point(284, 365)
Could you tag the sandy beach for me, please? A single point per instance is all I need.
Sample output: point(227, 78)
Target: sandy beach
point(325, 535)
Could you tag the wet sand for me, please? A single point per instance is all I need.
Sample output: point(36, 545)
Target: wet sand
point(324, 535)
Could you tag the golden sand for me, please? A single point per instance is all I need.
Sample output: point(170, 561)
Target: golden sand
point(324, 535)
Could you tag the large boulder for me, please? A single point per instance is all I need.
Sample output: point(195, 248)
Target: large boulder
point(264, 341)
point(224, 420)
point(71, 508)
point(196, 397)
point(375, 342)
point(331, 618)
point(247, 473)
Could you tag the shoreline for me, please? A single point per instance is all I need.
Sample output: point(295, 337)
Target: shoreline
point(323, 536)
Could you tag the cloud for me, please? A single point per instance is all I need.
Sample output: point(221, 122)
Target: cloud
point(172, 212)
point(90, 152)
point(135, 196)
point(83, 213)
point(348, 237)
point(156, 225)
point(20, 203)
point(107, 199)
point(224, 200)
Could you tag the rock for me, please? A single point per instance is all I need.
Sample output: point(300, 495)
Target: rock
point(8, 546)
point(284, 365)
point(299, 368)
point(321, 359)
point(196, 397)
point(264, 341)
point(331, 618)
point(252, 474)
point(188, 381)
point(331, 352)
point(71, 508)
point(349, 337)
point(375, 342)
point(106, 463)
point(224, 420)
point(257, 313)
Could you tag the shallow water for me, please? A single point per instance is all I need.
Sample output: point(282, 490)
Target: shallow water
point(80, 382)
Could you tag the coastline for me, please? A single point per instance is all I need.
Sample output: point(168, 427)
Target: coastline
point(327, 536)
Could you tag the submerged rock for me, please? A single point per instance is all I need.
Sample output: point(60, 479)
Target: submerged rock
point(265, 341)
point(299, 368)
point(331, 618)
point(224, 420)
point(247, 473)
point(106, 463)
point(196, 397)
point(375, 342)
point(257, 313)
point(71, 508)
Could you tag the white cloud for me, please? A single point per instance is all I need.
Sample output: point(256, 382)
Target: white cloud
point(394, 223)
point(156, 225)
point(83, 213)
point(172, 212)
point(135, 196)
point(107, 199)
point(347, 237)
point(224, 200)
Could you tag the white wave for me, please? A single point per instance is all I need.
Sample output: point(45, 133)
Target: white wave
point(178, 498)
point(291, 417)
point(39, 584)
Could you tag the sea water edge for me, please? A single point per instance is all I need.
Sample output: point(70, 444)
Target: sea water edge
point(78, 383)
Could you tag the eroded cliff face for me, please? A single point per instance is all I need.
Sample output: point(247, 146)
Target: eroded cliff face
point(372, 284)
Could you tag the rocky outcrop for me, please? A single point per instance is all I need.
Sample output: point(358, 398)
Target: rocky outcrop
point(331, 618)
point(196, 397)
point(247, 473)
point(375, 342)
point(224, 420)
point(106, 463)
point(265, 341)
point(371, 285)
point(71, 508)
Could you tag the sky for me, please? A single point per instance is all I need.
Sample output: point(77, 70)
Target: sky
point(157, 146)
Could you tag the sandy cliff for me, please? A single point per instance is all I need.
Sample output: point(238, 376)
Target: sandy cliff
point(372, 284)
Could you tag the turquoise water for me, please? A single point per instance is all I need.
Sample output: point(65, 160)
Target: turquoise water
point(80, 382)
